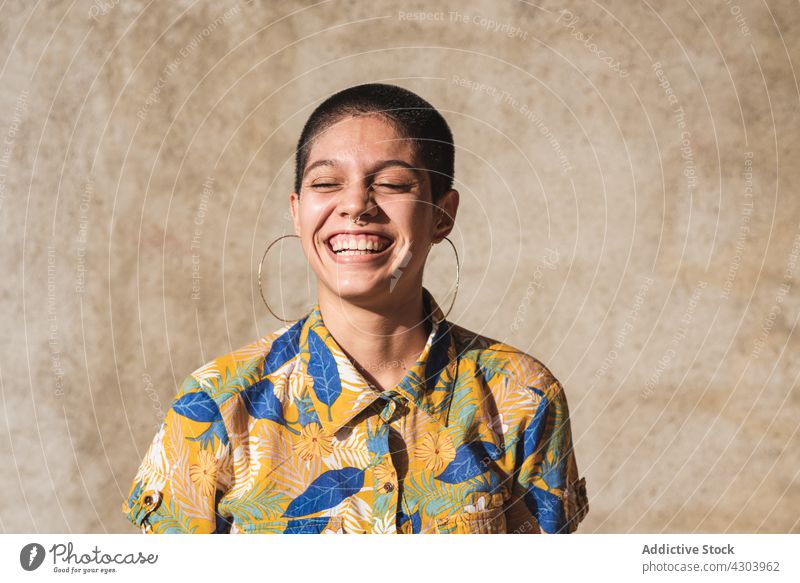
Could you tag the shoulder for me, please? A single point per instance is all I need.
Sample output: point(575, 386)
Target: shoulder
point(497, 360)
point(229, 374)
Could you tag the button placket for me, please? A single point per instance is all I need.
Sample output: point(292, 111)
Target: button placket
point(384, 472)
point(386, 497)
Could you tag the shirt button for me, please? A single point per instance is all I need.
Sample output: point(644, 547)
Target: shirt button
point(388, 486)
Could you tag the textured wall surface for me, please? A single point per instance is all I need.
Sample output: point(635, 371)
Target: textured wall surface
point(629, 177)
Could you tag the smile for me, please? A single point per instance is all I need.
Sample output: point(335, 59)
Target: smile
point(350, 245)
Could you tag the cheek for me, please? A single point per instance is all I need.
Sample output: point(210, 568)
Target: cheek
point(418, 224)
point(416, 231)
point(313, 213)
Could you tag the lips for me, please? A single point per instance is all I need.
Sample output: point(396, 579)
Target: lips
point(358, 246)
point(357, 243)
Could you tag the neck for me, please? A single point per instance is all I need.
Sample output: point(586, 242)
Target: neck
point(383, 341)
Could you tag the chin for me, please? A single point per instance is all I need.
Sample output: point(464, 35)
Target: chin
point(355, 290)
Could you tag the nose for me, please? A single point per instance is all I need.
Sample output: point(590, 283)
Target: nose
point(357, 200)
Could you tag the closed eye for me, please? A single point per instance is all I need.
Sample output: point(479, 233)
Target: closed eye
point(325, 186)
point(390, 186)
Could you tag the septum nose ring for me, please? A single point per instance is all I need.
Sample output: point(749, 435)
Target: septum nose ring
point(357, 219)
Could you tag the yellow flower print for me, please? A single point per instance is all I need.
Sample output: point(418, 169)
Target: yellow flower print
point(336, 529)
point(436, 451)
point(204, 472)
point(385, 473)
point(313, 442)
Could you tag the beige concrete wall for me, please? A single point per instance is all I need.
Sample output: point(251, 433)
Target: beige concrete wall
point(629, 176)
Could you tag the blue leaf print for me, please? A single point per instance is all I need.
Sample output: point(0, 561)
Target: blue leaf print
point(495, 484)
point(547, 508)
point(222, 524)
point(465, 416)
point(472, 459)
point(437, 357)
point(283, 348)
point(411, 382)
point(537, 390)
point(137, 491)
point(322, 367)
point(313, 525)
point(530, 438)
point(326, 491)
point(261, 402)
point(423, 492)
point(378, 442)
point(305, 411)
point(206, 438)
point(197, 407)
point(416, 524)
point(554, 471)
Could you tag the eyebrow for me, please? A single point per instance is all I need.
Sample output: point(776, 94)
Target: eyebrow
point(382, 164)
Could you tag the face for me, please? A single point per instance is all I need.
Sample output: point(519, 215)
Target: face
point(362, 166)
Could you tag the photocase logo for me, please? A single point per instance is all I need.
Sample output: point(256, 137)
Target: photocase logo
point(31, 556)
point(399, 271)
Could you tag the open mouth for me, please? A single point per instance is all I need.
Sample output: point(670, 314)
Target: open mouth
point(350, 245)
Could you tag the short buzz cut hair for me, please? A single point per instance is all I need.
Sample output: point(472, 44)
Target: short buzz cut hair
point(412, 116)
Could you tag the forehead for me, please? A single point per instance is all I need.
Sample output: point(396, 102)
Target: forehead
point(361, 140)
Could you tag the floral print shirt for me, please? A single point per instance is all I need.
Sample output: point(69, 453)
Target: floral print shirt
point(286, 436)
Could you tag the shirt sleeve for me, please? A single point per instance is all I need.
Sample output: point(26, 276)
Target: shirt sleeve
point(548, 494)
point(181, 478)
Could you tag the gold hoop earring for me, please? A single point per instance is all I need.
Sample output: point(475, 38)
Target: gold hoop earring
point(260, 289)
point(458, 277)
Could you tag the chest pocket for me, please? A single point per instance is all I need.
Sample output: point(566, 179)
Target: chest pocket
point(481, 518)
point(481, 522)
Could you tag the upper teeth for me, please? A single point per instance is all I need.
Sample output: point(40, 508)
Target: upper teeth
point(358, 243)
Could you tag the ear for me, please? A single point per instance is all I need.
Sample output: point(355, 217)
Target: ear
point(294, 205)
point(445, 215)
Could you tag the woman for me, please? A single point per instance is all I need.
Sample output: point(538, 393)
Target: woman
point(373, 413)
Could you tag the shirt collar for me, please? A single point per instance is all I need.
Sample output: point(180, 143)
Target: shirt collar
point(339, 391)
